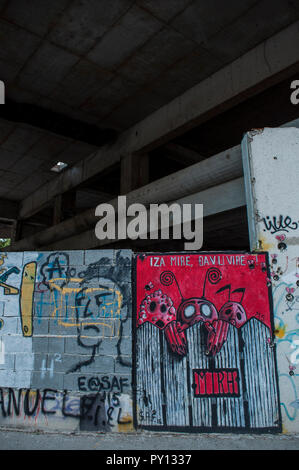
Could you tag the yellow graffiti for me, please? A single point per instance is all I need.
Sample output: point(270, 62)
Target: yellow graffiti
point(125, 424)
point(65, 304)
point(8, 290)
point(264, 244)
point(280, 331)
point(2, 258)
point(26, 298)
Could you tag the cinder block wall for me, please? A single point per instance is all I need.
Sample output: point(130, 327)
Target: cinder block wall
point(65, 340)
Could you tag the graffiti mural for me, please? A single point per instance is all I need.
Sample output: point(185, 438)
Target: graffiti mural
point(65, 331)
point(205, 355)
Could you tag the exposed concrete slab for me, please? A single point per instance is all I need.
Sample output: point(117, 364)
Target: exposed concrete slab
point(94, 22)
point(44, 12)
point(233, 40)
point(50, 63)
point(8, 159)
point(164, 10)
point(21, 139)
point(16, 44)
point(127, 35)
point(81, 83)
point(254, 71)
point(164, 49)
point(202, 20)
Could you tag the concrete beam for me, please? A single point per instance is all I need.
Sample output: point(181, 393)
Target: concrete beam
point(210, 172)
point(215, 200)
point(268, 63)
point(182, 154)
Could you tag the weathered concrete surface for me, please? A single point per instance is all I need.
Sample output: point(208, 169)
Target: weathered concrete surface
point(21, 440)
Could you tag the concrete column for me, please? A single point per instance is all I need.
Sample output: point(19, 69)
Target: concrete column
point(134, 172)
point(64, 206)
point(271, 172)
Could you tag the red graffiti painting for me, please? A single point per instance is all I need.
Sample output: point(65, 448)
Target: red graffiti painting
point(216, 383)
point(221, 290)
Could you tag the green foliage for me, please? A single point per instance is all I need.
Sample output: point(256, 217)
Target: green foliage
point(4, 242)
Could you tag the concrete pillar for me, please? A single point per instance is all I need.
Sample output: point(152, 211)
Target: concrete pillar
point(134, 172)
point(271, 172)
point(64, 206)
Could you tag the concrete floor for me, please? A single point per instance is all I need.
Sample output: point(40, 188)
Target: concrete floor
point(23, 440)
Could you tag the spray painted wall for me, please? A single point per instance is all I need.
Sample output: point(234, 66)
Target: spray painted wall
point(65, 340)
point(271, 167)
point(204, 343)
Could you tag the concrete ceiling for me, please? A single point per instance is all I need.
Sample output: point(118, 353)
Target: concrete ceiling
point(109, 64)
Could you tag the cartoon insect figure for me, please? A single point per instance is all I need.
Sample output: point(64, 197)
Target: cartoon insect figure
point(251, 264)
point(281, 245)
point(289, 296)
point(149, 286)
point(158, 309)
point(263, 267)
point(292, 367)
point(231, 313)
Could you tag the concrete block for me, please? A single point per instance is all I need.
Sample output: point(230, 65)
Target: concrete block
point(61, 329)
point(41, 326)
point(126, 311)
point(101, 365)
point(48, 380)
point(108, 347)
point(102, 257)
point(13, 259)
point(7, 378)
point(124, 255)
point(22, 378)
point(70, 381)
point(66, 362)
point(56, 345)
point(109, 328)
point(40, 345)
point(84, 382)
point(72, 347)
point(8, 362)
point(126, 327)
point(126, 345)
point(24, 361)
point(11, 303)
point(30, 256)
point(18, 344)
point(76, 257)
point(124, 368)
point(41, 363)
point(10, 326)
